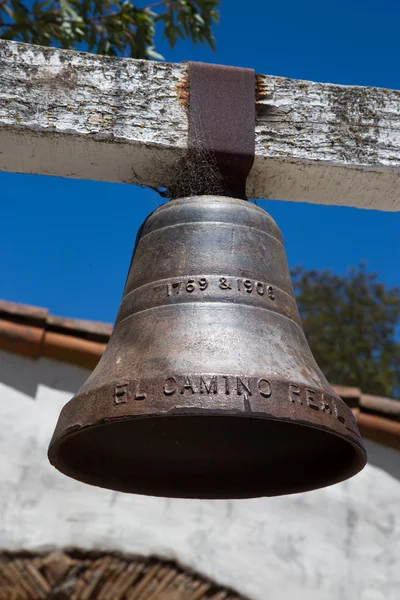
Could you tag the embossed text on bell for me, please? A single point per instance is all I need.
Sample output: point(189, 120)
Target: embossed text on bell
point(208, 387)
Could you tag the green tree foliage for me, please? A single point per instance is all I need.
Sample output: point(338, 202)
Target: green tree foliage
point(117, 27)
point(350, 323)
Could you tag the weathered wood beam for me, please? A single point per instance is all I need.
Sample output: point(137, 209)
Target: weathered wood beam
point(78, 115)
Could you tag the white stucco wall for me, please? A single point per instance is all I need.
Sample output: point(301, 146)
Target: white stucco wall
point(341, 543)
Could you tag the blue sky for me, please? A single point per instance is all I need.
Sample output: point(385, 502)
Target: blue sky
point(66, 244)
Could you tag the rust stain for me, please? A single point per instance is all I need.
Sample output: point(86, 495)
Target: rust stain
point(261, 89)
point(183, 91)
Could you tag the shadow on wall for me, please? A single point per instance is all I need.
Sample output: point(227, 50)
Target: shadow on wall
point(26, 374)
point(383, 458)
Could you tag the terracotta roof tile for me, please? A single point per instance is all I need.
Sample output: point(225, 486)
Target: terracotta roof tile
point(99, 332)
point(33, 332)
point(23, 313)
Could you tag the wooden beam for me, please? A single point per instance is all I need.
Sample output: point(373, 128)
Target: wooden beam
point(78, 115)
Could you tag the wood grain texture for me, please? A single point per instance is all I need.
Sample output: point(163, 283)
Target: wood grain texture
point(78, 115)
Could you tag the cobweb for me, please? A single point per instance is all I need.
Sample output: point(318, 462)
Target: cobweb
point(197, 172)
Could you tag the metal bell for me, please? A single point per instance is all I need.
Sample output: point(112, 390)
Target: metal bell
point(208, 388)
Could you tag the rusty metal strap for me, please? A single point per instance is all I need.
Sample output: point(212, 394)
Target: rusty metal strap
point(222, 120)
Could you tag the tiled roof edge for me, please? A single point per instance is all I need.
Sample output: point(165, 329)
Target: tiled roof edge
point(31, 331)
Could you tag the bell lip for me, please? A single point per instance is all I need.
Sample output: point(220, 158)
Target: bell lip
point(359, 459)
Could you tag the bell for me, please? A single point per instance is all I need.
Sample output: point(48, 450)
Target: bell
point(208, 388)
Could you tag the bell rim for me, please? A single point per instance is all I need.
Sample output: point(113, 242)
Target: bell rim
point(358, 462)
